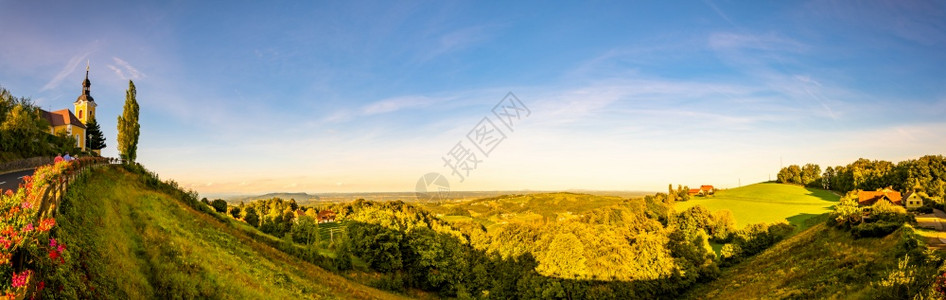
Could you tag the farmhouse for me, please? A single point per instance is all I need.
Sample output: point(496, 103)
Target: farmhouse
point(707, 189)
point(326, 216)
point(704, 190)
point(871, 197)
point(694, 192)
point(65, 121)
point(913, 200)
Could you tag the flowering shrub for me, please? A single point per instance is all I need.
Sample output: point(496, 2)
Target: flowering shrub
point(23, 226)
point(55, 250)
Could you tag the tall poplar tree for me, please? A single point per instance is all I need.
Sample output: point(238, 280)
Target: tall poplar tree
point(128, 128)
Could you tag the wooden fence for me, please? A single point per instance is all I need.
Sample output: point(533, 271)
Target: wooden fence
point(51, 194)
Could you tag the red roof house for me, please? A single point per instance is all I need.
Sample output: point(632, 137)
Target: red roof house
point(871, 197)
point(707, 189)
point(326, 216)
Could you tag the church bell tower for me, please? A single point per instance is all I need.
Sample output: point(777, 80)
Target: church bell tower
point(85, 105)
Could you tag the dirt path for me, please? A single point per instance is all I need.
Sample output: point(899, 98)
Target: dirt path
point(934, 221)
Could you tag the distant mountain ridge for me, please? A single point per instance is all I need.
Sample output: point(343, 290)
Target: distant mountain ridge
point(299, 197)
point(304, 198)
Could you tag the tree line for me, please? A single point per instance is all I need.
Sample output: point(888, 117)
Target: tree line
point(926, 174)
point(640, 248)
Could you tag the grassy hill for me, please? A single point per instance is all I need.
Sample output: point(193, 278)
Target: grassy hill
point(522, 208)
point(128, 241)
point(822, 262)
point(768, 203)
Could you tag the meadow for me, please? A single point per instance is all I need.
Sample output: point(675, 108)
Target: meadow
point(769, 203)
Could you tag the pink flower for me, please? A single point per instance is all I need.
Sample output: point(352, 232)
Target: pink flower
point(26, 205)
point(20, 279)
point(28, 227)
point(56, 249)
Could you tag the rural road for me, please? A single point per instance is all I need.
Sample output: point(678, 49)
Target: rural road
point(10, 181)
point(936, 221)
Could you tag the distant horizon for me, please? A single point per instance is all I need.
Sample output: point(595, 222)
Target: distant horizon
point(363, 97)
point(501, 192)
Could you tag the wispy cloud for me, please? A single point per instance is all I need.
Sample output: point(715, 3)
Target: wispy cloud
point(398, 103)
point(457, 40)
point(719, 12)
point(769, 41)
point(124, 70)
point(66, 70)
point(384, 106)
point(769, 58)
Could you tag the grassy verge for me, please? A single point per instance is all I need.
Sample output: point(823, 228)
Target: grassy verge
point(128, 241)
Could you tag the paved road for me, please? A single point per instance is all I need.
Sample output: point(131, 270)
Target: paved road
point(935, 221)
point(11, 181)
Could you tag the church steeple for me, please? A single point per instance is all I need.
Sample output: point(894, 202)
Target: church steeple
point(85, 105)
point(86, 84)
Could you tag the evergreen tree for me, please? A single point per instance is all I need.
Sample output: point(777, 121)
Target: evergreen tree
point(94, 139)
point(128, 128)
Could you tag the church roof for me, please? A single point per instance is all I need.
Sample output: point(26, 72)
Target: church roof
point(85, 97)
point(62, 117)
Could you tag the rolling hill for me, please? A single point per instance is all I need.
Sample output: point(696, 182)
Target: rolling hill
point(827, 263)
point(769, 203)
point(126, 240)
point(527, 208)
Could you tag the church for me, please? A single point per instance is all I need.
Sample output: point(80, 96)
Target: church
point(64, 120)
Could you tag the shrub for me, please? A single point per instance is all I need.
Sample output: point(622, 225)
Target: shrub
point(235, 212)
point(390, 282)
point(730, 253)
point(250, 217)
point(757, 237)
point(724, 225)
point(875, 229)
point(219, 205)
point(343, 254)
point(885, 207)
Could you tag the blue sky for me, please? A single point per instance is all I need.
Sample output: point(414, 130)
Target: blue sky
point(247, 97)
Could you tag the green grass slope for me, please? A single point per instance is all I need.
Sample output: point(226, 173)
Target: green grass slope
point(818, 263)
point(768, 203)
point(127, 241)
